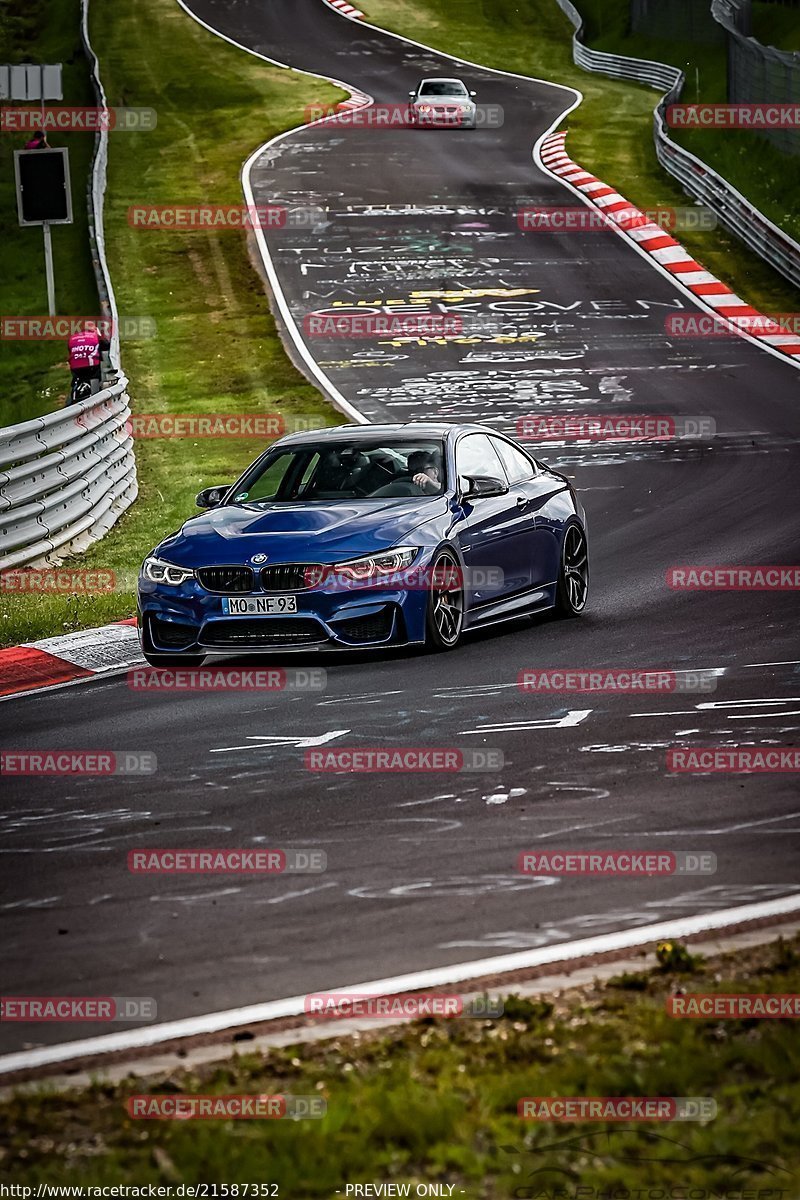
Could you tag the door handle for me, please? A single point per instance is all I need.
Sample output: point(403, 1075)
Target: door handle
point(522, 501)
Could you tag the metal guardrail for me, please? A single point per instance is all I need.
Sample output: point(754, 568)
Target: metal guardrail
point(65, 478)
point(697, 179)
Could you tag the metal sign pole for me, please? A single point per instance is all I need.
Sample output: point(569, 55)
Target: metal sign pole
point(48, 266)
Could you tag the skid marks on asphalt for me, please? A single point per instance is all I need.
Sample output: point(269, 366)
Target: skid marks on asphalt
point(711, 898)
point(54, 830)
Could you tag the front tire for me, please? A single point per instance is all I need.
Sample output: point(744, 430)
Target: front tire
point(444, 619)
point(572, 590)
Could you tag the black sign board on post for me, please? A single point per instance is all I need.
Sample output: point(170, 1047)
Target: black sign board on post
point(43, 193)
point(44, 198)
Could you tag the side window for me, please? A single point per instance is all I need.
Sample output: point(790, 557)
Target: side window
point(475, 455)
point(518, 466)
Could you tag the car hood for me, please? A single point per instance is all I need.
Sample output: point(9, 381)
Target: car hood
point(297, 532)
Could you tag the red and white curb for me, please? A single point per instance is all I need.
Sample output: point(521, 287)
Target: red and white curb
point(667, 252)
point(356, 100)
point(70, 658)
point(347, 10)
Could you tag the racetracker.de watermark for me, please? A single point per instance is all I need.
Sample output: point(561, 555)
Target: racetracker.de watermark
point(373, 760)
point(211, 425)
point(184, 1107)
point(334, 1005)
point(734, 579)
point(631, 864)
point(60, 329)
point(734, 116)
point(614, 680)
point(704, 325)
point(78, 762)
point(193, 217)
point(440, 112)
point(733, 760)
point(617, 1108)
point(58, 581)
point(582, 219)
point(737, 1006)
point(226, 862)
point(228, 679)
point(68, 119)
point(434, 578)
point(361, 324)
point(77, 1008)
point(612, 427)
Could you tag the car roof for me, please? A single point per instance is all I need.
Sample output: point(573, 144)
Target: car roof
point(407, 431)
point(441, 79)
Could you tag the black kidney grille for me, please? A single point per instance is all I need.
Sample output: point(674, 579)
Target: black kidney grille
point(291, 577)
point(226, 579)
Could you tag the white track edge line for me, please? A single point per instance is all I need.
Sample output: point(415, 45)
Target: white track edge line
point(145, 1036)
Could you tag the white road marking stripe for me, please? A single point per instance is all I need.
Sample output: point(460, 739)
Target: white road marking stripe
point(690, 278)
point(293, 1006)
point(671, 254)
point(613, 198)
point(646, 232)
point(726, 300)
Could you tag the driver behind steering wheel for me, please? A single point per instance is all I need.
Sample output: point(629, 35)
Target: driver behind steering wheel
point(425, 471)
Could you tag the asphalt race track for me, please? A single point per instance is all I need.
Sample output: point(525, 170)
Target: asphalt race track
point(422, 868)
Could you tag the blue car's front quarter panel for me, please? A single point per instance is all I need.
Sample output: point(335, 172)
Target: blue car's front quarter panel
point(207, 541)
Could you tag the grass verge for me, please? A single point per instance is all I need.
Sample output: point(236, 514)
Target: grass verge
point(34, 375)
point(216, 348)
point(610, 133)
point(776, 25)
point(436, 1101)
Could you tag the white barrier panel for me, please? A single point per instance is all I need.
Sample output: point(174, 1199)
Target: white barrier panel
point(65, 478)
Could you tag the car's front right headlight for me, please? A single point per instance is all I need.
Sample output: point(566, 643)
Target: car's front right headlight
point(156, 570)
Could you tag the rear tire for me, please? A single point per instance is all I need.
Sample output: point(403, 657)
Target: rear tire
point(444, 619)
point(572, 590)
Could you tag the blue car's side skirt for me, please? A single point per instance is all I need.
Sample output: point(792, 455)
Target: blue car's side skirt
point(534, 600)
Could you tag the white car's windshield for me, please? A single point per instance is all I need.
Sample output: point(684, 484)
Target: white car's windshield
point(445, 87)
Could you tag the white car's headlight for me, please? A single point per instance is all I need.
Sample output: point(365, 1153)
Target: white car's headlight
point(158, 571)
point(377, 564)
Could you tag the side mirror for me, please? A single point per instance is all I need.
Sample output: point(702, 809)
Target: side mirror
point(412, 94)
point(473, 93)
point(211, 497)
point(479, 487)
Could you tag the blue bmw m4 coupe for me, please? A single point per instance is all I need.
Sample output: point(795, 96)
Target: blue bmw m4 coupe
point(364, 536)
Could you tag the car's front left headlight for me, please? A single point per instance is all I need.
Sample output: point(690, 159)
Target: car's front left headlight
point(156, 570)
point(377, 564)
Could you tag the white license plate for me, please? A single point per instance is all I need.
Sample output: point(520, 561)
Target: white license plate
point(258, 606)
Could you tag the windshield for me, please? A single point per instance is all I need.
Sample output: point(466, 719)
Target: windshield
point(357, 470)
point(451, 87)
